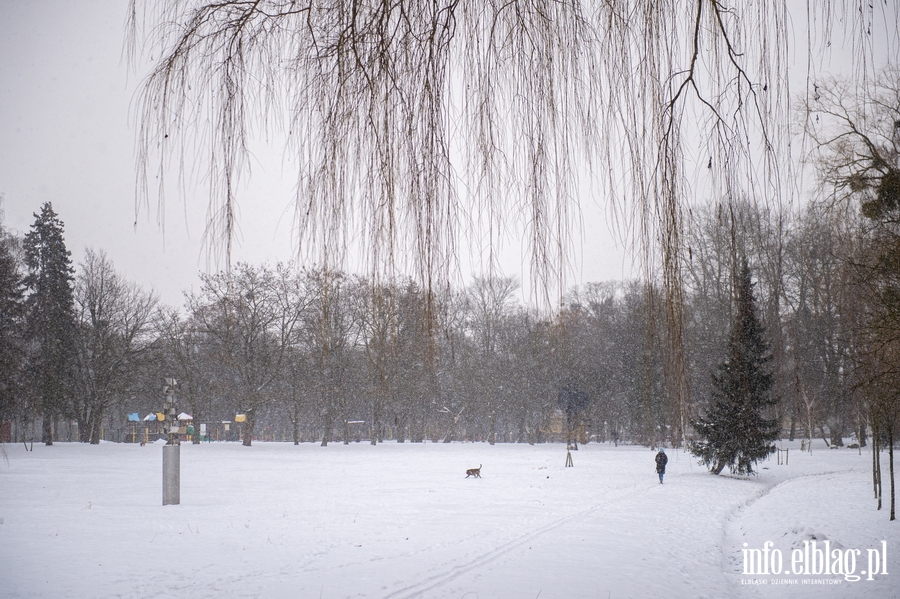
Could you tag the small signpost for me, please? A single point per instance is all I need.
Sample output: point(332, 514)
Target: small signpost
point(171, 450)
point(783, 457)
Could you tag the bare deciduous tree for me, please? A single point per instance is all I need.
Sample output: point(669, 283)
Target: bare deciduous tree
point(186, 354)
point(251, 317)
point(113, 318)
point(857, 143)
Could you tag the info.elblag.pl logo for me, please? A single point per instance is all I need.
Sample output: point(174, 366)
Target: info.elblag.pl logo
point(814, 559)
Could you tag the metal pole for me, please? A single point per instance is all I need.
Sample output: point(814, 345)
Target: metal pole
point(171, 451)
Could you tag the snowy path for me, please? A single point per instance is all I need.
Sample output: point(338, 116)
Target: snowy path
point(403, 522)
point(832, 502)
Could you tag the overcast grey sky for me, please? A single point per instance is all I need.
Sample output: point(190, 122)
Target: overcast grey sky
point(66, 136)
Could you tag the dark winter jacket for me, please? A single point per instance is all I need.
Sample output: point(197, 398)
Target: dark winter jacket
point(661, 460)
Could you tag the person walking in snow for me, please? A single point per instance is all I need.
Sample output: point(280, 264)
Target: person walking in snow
point(661, 460)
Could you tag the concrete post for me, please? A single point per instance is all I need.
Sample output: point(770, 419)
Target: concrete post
point(171, 451)
point(171, 474)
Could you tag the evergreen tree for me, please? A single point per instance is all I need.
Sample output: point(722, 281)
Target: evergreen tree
point(50, 315)
point(12, 311)
point(735, 431)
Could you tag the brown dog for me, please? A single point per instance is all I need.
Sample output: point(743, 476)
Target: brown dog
point(476, 472)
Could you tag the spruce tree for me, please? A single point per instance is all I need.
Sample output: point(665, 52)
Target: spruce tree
point(735, 431)
point(50, 309)
point(12, 311)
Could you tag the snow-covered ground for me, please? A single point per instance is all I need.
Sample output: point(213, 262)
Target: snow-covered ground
point(402, 521)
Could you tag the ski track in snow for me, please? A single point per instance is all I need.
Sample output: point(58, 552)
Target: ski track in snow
point(419, 589)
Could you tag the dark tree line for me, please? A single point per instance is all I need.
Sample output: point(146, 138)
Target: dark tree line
point(331, 356)
point(73, 340)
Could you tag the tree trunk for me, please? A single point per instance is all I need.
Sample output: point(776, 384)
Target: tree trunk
point(492, 434)
point(875, 462)
point(824, 438)
point(719, 467)
point(451, 429)
point(47, 427)
point(326, 433)
point(248, 427)
point(84, 430)
point(891, 464)
point(400, 426)
point(417, 434)
point(195, 438)
point(376, 418)
point(875, 450)
point(25, 431)
point(95, 426)
point(571, 436)
point(837, 435)
point(523, 430)
point(878, 470)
